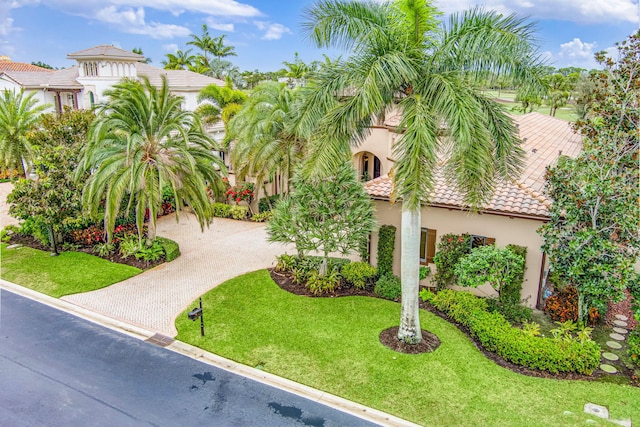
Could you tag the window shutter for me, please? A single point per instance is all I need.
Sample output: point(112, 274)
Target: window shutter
point(490, 241)
point(431, 245)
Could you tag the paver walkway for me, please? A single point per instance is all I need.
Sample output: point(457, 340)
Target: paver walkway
point(5, 219)
point(153, 299)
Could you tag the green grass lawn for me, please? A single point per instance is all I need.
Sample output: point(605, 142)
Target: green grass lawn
point(332, 344)
point(68, 273)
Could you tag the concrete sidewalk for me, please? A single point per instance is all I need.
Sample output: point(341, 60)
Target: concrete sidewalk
point(154, 298)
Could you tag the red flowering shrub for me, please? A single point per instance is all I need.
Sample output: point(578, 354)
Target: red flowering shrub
point(241, 192)
point(89, 236)
point(563, 305)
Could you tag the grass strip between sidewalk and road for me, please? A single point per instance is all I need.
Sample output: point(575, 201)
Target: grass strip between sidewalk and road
point(332, 344)
point(57, 276)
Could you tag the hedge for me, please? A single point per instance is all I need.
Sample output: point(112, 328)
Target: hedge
point(497, 335)
point(386, 246)
point(171, 248)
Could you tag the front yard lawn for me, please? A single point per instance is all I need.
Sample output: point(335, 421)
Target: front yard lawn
point(68, 273)
point(332, 344)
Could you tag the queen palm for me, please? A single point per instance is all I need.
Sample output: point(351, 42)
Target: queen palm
point(265, 144)
point(18, 115)
point(179, 61)
point(141, 142)
point(224, 102)
point(404, 60)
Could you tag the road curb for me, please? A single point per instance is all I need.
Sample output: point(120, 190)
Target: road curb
point(336, 402)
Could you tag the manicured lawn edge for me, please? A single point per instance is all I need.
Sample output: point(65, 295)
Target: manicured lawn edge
point(68, 273)
point(332, 344)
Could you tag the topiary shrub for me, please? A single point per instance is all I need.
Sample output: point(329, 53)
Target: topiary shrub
point(359, 274)
point(451, 249)
point(511, 293)
point(238, 212)
point(561, 354)
point(221, 210)
point(388, 287)
point(171, 248)
point(386, 247)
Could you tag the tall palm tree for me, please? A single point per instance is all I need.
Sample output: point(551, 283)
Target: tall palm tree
point(265, 144)
point(180, 60)
point(18, 115)
point(403, 59)
point(140, 142)
point(220, 50)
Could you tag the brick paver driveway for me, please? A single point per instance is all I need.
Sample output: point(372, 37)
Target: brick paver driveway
point(154, 298)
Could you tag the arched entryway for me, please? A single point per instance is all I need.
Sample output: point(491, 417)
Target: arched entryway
point(369, 165)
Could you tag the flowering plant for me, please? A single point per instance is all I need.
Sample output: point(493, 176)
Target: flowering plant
point(241, 192)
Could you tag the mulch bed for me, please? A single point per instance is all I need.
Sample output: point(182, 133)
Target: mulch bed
point(115, 257)
point(390, 340)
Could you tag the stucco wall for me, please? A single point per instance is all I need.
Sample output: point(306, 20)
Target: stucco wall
point(505, 230)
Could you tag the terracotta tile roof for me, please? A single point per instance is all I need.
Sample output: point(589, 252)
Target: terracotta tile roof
point(105, 51)
point(183, 79)
point(21, 67)
point(545, 138)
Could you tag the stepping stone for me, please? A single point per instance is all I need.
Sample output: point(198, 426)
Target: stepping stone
point(624, 423)
point(608, 368)
point(597, 410)
point(620, 330)
point(14, 246)
point(610, 356)
point(620, 323)
point(621, 317)
point(615, 345)
point(617, 337)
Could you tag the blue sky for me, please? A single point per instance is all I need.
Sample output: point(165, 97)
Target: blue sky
point(267, 32)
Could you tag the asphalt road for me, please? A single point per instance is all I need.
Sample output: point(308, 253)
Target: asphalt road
point(59, 370)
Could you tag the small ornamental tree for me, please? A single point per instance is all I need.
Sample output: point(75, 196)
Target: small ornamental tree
point(54, 197)
point(499, 267)
point(592, 238)
point(326, 215)
point(451, 249)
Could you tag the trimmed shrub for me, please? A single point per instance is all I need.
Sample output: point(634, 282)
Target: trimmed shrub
point(388, 287)
point(263, 216)
point(238, 212)
point(495, 333)
point(171, 248)
point(221, 210)
point(451, 249)
point(268, 203)
point(511, 293)
point(359, 274)
point(386, 246)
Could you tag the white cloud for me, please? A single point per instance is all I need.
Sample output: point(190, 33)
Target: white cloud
point(577, 53)
point(132, 21)
point(6, 26)
point(220, 26)
point(271, 31)
point(170, 47)
point(577, 49)
point(586, 11)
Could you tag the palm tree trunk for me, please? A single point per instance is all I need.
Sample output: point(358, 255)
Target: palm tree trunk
point(410, 331)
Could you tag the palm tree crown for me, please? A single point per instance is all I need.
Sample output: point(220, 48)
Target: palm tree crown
point(18, 115)
point(141, 142)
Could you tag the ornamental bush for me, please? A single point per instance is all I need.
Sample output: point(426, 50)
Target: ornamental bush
point(171, 248)
point(268, 203)
point(359, 274)
point(241, 192)
point(563, 305)
point(221, 210)
point(451, 249)
point(388, 287)
point(495, 333)
point(238, 212)
point(386, 247)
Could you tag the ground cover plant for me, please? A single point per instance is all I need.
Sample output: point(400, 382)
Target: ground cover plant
point(68, 273)
point(333, 344)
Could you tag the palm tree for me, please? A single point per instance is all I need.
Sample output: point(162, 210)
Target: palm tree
point(138, 50)
point(140, 142)
point(179, 61)
point(224, 102)
point(265, 144)
point(403, 59)
point(219, 50)
point(18, 115)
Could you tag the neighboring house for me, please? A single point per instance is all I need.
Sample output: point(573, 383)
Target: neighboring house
point(513, 216)
point(98, 69)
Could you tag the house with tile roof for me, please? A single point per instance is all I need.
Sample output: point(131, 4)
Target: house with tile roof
point(513, 215)
point(98, 69)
